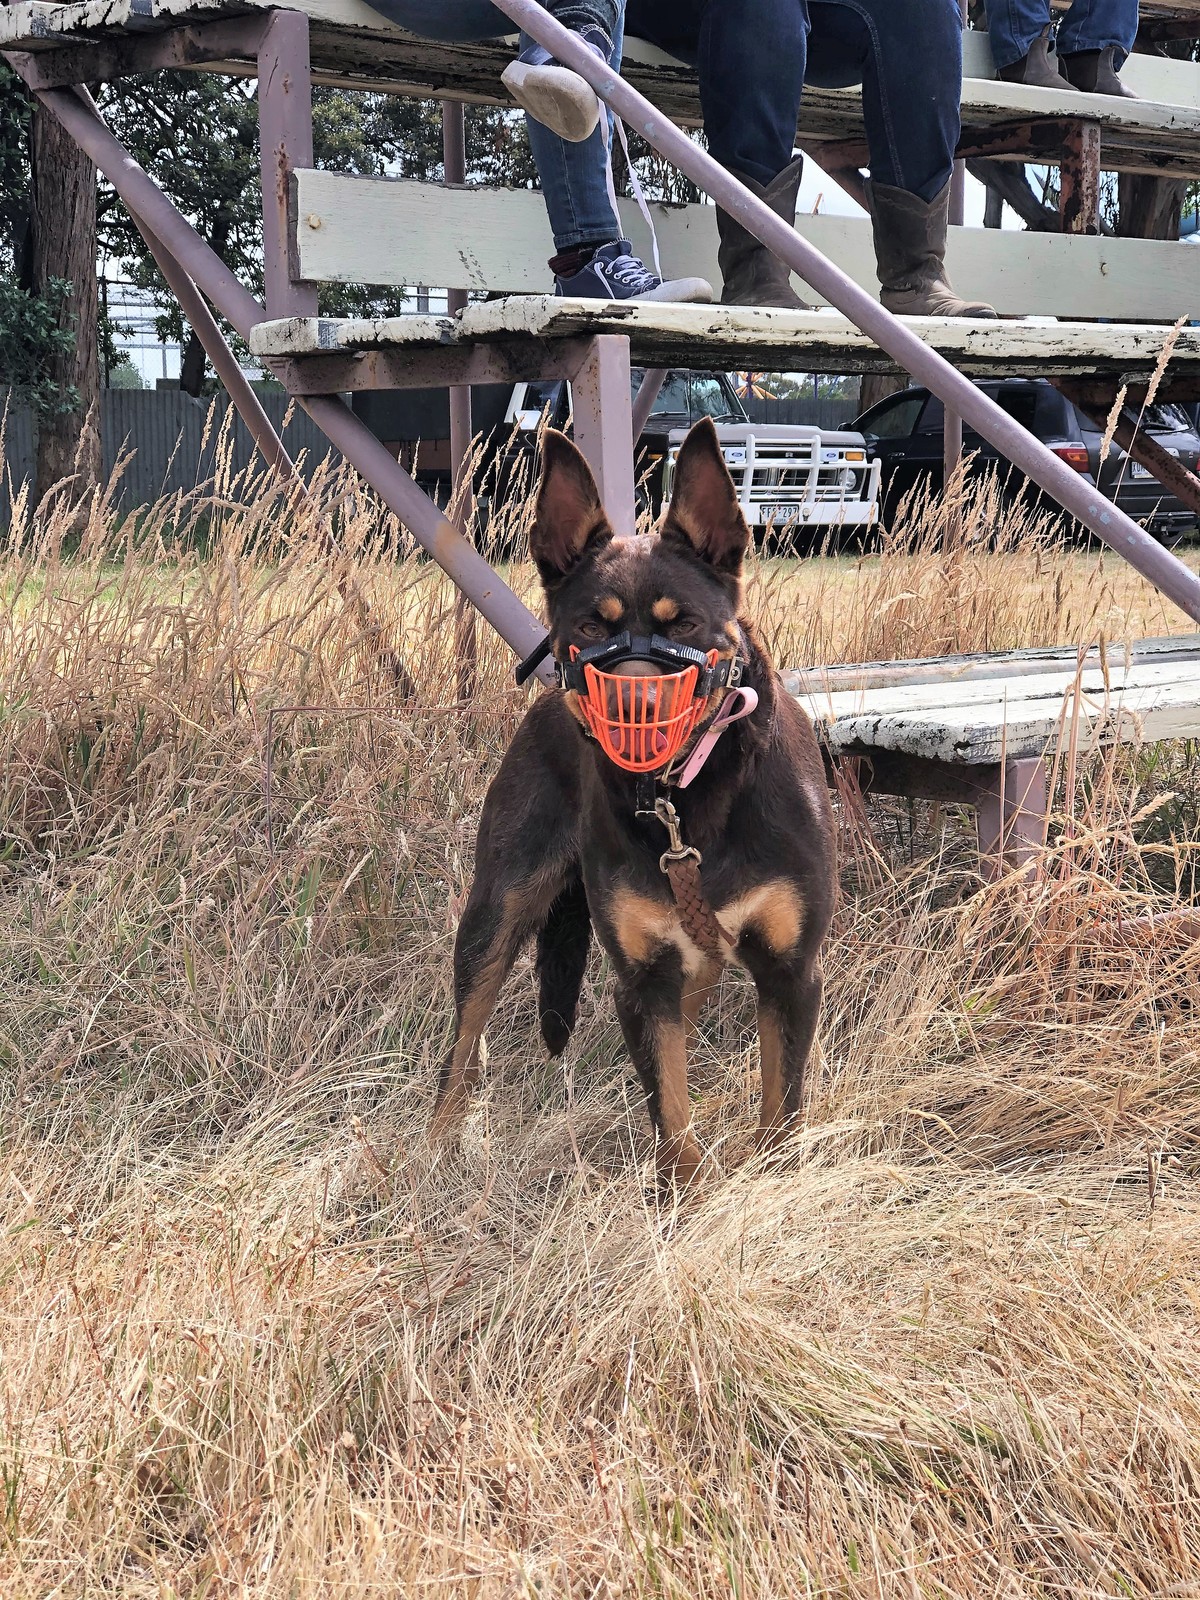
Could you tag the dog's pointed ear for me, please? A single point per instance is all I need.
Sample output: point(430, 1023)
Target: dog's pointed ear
point(568, 518)
point(704, 511)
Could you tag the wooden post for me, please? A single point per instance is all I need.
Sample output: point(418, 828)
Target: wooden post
point(603, 414)
point(285, 142)
point(952, 429)
point(466, 641)
point(1079, 193)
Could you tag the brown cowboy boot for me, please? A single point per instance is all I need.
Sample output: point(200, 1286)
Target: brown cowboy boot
point(1037, 67)
point(1095, 72)
point(910, 252)
point(751, 274)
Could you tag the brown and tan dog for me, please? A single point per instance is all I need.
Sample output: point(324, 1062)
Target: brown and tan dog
point(562, 845)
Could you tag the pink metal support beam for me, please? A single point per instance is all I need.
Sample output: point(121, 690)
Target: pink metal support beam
point(225, 363)
point(643, 401)
point(466, 643)
point(510, 617)
point(603, 417)
point(956, 392)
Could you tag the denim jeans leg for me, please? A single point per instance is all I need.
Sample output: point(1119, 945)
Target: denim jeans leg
point(1013, 25)
point(750, 55)
point(458, 21)
point(1097, 24)
point(908, 56)
point(574, 177)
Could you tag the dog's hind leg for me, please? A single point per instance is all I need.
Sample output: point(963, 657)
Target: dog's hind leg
point(562, 953)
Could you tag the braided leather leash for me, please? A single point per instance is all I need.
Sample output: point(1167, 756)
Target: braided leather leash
point(681, 864)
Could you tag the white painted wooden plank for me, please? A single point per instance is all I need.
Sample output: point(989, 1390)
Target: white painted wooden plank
point(1169, 89)
point(770, 340)
point(996, 731)
point(955, 694)
point(291, 336)
point(842, 676)
point(395, 231)
point(1008, 723)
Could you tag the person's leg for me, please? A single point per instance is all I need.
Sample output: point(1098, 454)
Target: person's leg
point(1099, 25)
point(1094, 39)
point(909, 56)
point(750, 56)
point(574, 177)
point(1013, 27)
point(592, 259)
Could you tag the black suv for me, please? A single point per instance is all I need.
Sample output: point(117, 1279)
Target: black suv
point(905, 432)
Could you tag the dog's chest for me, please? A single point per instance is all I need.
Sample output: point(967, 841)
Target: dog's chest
point(772, 912)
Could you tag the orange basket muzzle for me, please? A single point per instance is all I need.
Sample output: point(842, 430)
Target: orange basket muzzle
point(642, 723)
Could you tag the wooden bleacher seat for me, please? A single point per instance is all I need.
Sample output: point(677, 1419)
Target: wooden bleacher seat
point(979, 729)
point(354, 47)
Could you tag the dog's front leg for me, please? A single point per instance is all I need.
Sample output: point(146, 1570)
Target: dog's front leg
point(650, 1009)
point(495, 924)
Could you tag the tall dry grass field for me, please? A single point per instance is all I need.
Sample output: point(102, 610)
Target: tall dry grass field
point(256, 1339)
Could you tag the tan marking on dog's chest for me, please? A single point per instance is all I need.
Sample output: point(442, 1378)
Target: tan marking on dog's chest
point(774, 910)
point(643, 926)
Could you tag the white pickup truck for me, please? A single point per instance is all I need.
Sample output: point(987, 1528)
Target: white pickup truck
point(788, 477)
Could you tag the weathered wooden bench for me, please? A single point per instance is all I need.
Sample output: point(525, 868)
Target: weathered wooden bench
point(982, 730)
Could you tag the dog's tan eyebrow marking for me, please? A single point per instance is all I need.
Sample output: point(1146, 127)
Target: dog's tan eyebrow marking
point(610, 608)
point(665, 610)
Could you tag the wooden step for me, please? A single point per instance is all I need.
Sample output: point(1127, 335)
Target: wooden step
point(397, 232)
point(740, 337)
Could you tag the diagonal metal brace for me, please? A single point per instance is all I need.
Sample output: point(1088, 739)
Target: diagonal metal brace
point(482, 585)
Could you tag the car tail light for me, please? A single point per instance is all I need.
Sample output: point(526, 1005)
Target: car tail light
point(1075, 455)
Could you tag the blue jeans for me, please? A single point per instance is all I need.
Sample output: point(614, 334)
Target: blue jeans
point(572, 176)
point(1089, 25)
point(754, 57)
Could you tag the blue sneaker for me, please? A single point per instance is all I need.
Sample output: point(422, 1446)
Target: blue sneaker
point(615, 273)
point(554, 95)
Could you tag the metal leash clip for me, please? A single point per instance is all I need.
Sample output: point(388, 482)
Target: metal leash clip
point(677, 850)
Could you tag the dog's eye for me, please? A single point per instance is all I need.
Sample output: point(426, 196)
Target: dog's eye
point(684, 627)
point(592, 630)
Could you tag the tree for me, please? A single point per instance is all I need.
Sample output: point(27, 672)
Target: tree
point(196, 134)
point(48, 348)
point(64, 251)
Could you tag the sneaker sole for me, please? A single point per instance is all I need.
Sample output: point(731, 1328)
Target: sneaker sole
point(556, 97)
point(681, 291)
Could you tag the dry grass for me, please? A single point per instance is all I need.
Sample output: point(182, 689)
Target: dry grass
point(255, 1340)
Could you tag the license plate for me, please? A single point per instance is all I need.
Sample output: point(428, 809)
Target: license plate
point(780, 513)
point(1137, 470)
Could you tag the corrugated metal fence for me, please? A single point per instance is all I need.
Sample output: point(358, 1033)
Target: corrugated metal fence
point(170, 437)
point(821, 413)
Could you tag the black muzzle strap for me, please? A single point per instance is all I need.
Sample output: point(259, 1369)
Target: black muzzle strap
point(527, 668)
point(665, 653)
